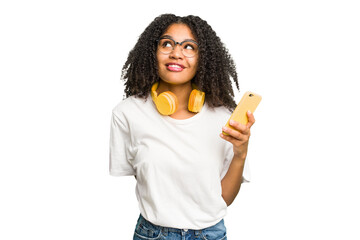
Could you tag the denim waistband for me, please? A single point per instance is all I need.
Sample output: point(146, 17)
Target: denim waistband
point(166, 230)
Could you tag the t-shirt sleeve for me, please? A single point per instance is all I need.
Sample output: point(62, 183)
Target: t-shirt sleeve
point(229, 154)
point(120, 145)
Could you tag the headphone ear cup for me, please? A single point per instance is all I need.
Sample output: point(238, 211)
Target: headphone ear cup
point(167, 103)
point(196, 100)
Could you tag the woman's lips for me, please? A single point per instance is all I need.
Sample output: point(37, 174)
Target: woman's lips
point(174, 67)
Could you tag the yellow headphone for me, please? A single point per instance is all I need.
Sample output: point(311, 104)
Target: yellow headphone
point(167, 103)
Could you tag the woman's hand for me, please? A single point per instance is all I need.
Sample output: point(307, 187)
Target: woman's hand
point(239, 137)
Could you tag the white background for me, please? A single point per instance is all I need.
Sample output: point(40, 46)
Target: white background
point(60, 65)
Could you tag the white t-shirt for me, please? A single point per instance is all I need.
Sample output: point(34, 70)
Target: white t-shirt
point(179, 164)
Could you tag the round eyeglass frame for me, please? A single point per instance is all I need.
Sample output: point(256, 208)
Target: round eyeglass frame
point(178, 43)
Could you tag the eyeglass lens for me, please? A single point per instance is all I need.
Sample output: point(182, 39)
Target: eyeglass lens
point(189, 48)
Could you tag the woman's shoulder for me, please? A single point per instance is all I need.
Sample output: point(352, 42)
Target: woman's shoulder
point(129, 104)
point(221, 110)
point(219, 115)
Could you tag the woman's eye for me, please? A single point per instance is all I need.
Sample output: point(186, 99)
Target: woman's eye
point(189, 47)
point(167, 44)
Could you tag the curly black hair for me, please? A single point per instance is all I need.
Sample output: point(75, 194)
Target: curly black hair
point(215, 70)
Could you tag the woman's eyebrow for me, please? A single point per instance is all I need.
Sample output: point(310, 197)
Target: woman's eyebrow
point(170, 37)
point(166, 36)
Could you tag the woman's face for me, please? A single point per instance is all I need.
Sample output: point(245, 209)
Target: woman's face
point(175, 67)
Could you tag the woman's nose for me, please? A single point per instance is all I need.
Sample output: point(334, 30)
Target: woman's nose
point(177, 52)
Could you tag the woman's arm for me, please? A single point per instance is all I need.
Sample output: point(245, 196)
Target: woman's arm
point(231, 182)
point(240, 139)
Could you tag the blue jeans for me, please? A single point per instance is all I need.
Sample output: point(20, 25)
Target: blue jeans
point(145, 230)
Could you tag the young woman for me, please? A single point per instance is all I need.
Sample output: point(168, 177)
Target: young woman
point(167, 132)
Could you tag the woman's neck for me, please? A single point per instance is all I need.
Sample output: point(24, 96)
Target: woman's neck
point(182, 92)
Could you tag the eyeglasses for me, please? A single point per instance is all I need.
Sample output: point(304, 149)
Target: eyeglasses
point(188, 47)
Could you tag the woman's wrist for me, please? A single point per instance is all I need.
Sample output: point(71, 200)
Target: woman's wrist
point(240, 157)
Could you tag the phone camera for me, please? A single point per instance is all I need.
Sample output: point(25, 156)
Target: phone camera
point(250, 95)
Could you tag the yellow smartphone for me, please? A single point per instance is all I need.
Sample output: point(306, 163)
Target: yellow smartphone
point(248, 102)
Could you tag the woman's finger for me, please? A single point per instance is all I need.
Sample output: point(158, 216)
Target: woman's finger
point(229, 138)
point(240, 127)
point(235, 134)
point(251, 119)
